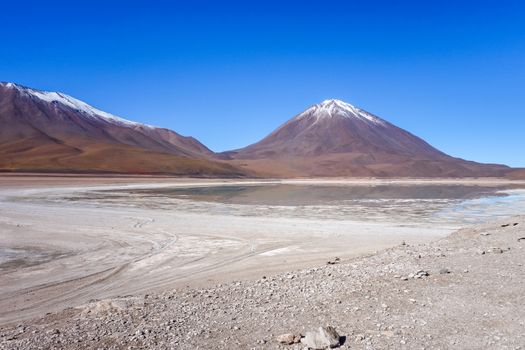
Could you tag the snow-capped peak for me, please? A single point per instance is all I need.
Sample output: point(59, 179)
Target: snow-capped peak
point(337, 108)
point(73, 103)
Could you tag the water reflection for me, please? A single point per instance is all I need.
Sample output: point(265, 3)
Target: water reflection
point(406, 205)
point(294, 195)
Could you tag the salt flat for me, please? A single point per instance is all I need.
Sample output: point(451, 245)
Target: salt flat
point(64, 245)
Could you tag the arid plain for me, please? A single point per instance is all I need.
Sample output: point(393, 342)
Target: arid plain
point(69, 240)
point(107, 261)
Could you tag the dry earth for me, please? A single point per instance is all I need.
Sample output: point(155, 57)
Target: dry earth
point(472, 298)
point(68, 253)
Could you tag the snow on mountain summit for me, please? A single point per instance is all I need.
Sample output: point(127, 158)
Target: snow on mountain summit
point(336, 108)
point(73, 103)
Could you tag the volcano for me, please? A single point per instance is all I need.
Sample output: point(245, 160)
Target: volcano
point(335, 138)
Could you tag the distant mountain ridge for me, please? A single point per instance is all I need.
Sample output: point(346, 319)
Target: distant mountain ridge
point(54, 132)
point(51, 131)
point(335, 138)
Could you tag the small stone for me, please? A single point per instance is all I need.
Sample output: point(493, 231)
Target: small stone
point(444, 271)
point(496, 250)
point(359, 337)
point(287, 338)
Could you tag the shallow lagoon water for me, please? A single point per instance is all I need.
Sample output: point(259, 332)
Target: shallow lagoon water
point(130, 239)
point(406, 205)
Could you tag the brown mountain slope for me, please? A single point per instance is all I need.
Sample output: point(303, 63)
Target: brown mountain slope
point(517, 174)
point(334, 138)
point(53, 132)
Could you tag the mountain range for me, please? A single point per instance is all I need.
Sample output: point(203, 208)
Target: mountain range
point(53, 132)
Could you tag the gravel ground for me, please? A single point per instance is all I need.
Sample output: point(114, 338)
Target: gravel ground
point(461, 292)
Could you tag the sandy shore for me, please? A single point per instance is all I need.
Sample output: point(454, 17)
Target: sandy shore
point(464, 292)
point(70, 253)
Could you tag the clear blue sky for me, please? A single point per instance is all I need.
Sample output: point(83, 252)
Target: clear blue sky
point(228, 73)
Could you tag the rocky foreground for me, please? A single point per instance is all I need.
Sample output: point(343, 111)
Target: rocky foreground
point(462, 292)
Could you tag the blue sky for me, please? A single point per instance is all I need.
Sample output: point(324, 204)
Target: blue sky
point(228, 73)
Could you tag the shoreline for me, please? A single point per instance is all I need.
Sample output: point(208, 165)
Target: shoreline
point(372, 300)
point(22, 181)
point(126, 263)
point(111, 251)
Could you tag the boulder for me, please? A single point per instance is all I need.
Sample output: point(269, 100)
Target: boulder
point(323, 338)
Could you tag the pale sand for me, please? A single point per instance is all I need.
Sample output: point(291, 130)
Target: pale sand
point(107, 251)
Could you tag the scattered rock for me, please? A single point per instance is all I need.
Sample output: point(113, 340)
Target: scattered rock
point(287, 338)
point(101, 308)
point(505, 225)
point(323, 338)
point(53, 331)
point(333, 262)
point(419, 274)
point(496, 250)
